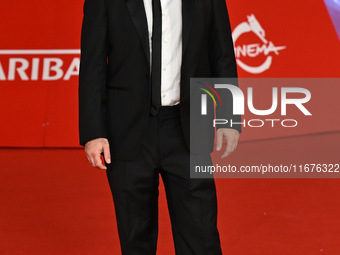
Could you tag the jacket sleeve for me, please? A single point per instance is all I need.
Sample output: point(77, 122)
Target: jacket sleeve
point(222, 61)
point(93, 71)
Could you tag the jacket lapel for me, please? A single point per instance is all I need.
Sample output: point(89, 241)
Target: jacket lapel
point(188, 9)
point(138, 15)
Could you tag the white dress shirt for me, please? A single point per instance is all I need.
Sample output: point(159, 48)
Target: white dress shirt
point(171, 48)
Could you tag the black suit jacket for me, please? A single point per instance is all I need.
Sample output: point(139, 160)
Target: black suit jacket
point(114, 79)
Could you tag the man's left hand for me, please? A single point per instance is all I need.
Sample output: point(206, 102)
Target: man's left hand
point(231, 135)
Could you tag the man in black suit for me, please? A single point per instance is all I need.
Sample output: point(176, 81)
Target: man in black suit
point(137, 58)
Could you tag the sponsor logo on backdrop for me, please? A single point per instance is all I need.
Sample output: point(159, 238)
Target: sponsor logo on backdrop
point(263, 49)
point(39, 65)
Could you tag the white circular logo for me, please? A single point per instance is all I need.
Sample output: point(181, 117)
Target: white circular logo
point(254, 50)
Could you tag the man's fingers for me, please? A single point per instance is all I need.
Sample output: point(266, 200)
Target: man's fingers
point(89, 158)
point(107, 154)
point(231, 146)
point(219, 140)
point(99, 163)
point(94, 149)
point(228, 150)
point(235, 144)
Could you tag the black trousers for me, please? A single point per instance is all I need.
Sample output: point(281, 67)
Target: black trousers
point(192, 202)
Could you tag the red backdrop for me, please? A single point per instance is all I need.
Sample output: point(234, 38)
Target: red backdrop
point(38, 90)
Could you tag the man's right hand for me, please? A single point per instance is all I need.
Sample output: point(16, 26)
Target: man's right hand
point(93, 150)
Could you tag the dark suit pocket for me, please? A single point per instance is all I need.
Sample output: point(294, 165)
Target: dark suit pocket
point(117, 103)
point(117, 91)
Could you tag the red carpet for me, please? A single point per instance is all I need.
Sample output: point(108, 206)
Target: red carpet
point(53, 202)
